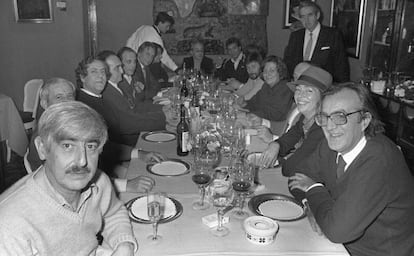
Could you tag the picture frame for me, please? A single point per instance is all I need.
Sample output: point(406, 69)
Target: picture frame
point(348, 17)
point(33, 11)
point(291, 18)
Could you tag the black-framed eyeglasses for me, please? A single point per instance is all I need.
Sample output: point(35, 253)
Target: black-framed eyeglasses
point(338, 118)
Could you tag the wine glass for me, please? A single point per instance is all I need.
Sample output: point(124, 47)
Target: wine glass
point(221, 196)
point(242, 176)
point(155, 208)
point(201, 177)
point(255, 161)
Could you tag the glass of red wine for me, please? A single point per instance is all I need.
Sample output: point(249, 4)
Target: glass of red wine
point(242, 177)
point(201, 177)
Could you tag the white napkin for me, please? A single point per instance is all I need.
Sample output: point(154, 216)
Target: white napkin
point(280, 209)
point(139, 208)
point(167, 168)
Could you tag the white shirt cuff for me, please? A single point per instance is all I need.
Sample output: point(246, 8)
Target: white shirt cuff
point(314, 186)
point(120, 185)
point(134, 153)
point(266, 123)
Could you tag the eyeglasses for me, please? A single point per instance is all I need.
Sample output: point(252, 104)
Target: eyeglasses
point(338, 118)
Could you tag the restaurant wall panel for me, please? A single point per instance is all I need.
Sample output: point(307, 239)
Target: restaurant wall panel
point(44, 50)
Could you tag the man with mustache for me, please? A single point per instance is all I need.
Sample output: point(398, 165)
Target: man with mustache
point(62, 207)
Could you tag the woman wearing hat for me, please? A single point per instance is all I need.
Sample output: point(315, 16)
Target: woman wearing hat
point(297, 144)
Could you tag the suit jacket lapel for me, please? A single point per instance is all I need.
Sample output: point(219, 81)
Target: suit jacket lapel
point(319, 43)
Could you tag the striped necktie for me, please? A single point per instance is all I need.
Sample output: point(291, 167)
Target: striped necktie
point(308, 48)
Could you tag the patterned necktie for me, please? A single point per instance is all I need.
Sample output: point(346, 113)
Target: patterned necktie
point(308, 48)
point(340, 170)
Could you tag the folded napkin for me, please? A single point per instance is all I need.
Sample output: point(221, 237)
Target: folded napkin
point(139, 208)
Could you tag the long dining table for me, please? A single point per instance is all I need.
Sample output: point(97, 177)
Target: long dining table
point(187, 235)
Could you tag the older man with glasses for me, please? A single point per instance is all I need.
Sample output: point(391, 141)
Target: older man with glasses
point(358, 185)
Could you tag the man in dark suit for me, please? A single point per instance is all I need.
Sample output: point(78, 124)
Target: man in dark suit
point(320, 45)
point(235, 67)
point(148, 86)
point(197, 60)
point(357, 182)
point(127, 123)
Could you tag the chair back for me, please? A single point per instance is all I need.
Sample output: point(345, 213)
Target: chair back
point(31, 95)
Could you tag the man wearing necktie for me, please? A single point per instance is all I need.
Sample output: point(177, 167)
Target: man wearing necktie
point(357, 182)
point(322, 46)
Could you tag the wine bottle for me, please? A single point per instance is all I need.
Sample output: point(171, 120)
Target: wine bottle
point(182, 134)
point(184, 89)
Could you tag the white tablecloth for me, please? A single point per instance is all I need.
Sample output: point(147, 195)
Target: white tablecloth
point(187, 235)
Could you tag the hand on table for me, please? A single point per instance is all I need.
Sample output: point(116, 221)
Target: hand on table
point(264, 134)
point(140, 184)
point(270, 154)
point(300, 181)
point(124, 249)
point(150, 157)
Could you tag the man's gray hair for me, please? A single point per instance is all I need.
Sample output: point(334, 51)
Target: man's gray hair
point(44, 91)
point(72, 120)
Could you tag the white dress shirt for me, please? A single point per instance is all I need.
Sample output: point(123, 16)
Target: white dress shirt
point(315, 35)
point(150, 34)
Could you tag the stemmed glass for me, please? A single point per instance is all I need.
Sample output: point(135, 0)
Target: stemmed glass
point(242, 176)
point(221, 196)
point(201, 177)
point(155, 208)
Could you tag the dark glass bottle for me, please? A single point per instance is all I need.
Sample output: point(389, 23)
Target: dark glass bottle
point(184, 89)
point(183, 134)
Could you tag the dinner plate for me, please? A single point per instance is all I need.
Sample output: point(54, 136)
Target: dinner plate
point(169, 167)
point(277, 206)
point(137, 210)
point(159, 136)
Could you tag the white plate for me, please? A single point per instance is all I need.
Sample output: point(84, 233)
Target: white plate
point(137, 209)
point(281, 209)
point(170, 167)
point(159, 137)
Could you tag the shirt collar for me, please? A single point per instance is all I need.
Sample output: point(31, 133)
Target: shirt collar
point(238, 59)
point(91, 93)
point(315, 32)
point(115, 86)
point(351, 155)
point(43, 181)
point(128, 78)
point(157, 29)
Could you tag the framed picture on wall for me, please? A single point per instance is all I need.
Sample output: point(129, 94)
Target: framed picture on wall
point(291, 17)
point(348, 17)
point(34, 11)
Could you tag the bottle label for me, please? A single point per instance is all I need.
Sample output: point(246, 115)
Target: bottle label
point(184, 140)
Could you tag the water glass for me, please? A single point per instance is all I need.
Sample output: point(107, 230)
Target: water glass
point(155, 209)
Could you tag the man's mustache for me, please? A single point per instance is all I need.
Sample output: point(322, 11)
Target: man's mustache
point(77, 169)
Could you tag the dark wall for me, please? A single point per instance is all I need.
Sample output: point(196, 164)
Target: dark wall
point(39, 50)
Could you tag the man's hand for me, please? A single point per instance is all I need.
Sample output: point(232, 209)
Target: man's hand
point(254, 119)
point(124, 249)
point(234, 83)
point(140, 184)
point(150, 157)
point(300, 181)
point(269, 156)
point(264, 134)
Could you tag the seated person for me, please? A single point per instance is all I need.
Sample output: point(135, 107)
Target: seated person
point(356, 182)
point(274, 100)
point(57, 90)
point(157, 69)
point(247, 90)
point(124, 123)
point(197, 60)
point(235, 67)
point(300, 141)
point(62, 207)
point(128, 83)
